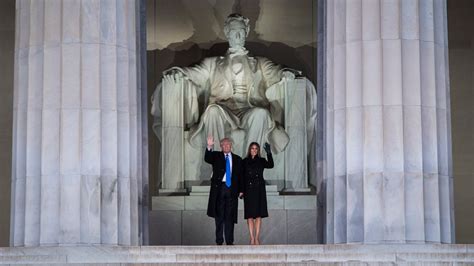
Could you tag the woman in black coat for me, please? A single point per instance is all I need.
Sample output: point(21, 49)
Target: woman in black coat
point(255, 195)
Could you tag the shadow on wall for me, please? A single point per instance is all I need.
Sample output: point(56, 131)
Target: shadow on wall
point(191, 51)
point(186, 54)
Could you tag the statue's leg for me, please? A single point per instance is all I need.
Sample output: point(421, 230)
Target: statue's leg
point(215, 124)
point(257, 122)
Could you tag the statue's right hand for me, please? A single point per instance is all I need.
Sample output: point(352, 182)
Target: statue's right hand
point(210, 142)
point(174, 74)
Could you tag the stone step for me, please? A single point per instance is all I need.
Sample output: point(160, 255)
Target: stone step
point(386, 254)
point(204, 190)
point(199, 202)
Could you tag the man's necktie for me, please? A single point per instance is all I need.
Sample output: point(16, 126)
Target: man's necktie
point(228, 176)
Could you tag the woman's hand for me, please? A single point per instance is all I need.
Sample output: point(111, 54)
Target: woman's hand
point(267, 148)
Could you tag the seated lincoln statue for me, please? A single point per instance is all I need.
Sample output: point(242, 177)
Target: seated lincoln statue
point(236, 95)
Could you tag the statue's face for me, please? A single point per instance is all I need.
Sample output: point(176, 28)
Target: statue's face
point(237, 34)
point(226, 146)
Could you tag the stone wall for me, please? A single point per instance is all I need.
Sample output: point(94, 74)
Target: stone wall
point(182, 220)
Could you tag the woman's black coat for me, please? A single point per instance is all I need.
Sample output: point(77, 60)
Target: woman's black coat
point(255, 194)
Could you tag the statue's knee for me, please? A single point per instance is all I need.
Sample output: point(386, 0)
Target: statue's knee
point(213, 111)
point(260, 113)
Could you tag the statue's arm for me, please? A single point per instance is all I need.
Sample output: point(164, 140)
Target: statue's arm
point(179, 90)
point(194, 82)
point(271, 72)
point(274, 73)
point(198, 74)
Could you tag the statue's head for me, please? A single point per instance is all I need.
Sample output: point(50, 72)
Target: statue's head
point(236, 29)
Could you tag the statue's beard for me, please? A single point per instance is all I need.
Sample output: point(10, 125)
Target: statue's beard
point(237, 45)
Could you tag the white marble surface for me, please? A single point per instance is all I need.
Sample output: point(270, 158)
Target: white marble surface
point(387, 122)
point(183, 162)
point(77, 137)
point(388, 254)
point(199, 200)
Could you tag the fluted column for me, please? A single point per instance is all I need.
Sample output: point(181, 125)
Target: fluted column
point(77, 127)
point(387, 174)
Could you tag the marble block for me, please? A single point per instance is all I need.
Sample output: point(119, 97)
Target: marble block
point(274, 228)
point(292, 219)
point(196, 202)
point(272, 190)
point(165, 227)
point(295, 202)
point(197, 228)
point(167, 203)
point(302, 227)
point(275, 202)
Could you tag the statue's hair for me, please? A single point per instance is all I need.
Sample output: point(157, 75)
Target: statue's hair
point(236, 17)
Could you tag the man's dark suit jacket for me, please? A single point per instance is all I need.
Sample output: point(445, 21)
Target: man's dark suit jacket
point(217, 160)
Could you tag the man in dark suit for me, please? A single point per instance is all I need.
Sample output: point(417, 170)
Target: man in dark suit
point(226, 187)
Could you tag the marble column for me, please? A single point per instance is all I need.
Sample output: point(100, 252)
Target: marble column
point(387, 155)
point(77, 124)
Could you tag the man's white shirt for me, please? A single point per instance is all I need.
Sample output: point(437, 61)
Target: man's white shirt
point(230, 160)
